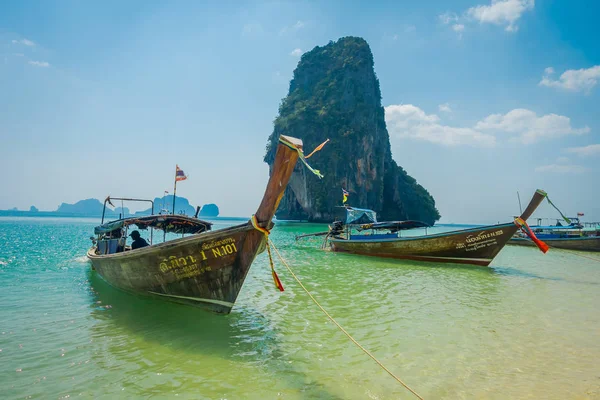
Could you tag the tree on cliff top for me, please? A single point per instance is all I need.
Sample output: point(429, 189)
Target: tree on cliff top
point(335, 94)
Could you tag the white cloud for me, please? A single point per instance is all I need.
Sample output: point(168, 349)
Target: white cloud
point(297, 26)
point(501, 12)
point(573, 79)
point(409, 121)
point(296, 52)
point(561, 169)
point(528, 127)
point(445, 108)
point(562, 160)
point(25, 42)
point(448, 17)
point(585, 151)
point(42, 64)
point(458, 28)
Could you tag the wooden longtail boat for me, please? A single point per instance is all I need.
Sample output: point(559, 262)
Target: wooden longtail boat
point(207, 268)
point(477, 246)
point(584, 243)
point(574, 236)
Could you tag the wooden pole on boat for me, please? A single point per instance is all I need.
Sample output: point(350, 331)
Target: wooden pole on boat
point(285, 161)
point(174, 190)
point(520, 208)
point(536, 200)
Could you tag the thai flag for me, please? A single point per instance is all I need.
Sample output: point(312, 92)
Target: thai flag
point(179, 174)
point(580, 214)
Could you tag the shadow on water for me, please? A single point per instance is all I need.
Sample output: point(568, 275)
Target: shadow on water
point(182, 327)
point(245, 335)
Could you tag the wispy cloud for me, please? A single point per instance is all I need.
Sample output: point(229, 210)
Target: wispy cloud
point(292, 28)
point(296, 52)
point(576, 80)
point(561, 169)
point(409, 121)
point(42, 64)
point(585, 151)
point(25, 42)
point(499, 12)
point(445, 108)
point(448, 17)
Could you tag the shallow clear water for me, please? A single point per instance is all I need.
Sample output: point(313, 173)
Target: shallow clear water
point(528, 327)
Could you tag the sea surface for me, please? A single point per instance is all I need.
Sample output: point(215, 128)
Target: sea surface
point(528, 327)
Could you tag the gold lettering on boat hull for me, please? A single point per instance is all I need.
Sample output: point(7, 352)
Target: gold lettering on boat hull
point(194, 265)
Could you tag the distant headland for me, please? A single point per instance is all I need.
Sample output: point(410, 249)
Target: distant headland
point(93, 208)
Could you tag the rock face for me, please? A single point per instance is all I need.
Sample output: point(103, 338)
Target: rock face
point(84, 207)
point(335, 95)
point(182, 206)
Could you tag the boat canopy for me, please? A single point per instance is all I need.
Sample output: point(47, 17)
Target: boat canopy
point(168, 223)
point(360, 216)
point(395, 226)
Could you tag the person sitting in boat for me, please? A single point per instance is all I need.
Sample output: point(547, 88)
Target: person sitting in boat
point(138, 241)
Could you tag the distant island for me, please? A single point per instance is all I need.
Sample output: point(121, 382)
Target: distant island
point(93, 208)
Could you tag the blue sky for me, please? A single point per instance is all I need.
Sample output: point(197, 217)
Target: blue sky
point(483, 99)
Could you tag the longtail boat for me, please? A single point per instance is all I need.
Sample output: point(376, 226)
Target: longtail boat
point(582, 243)
point(205, 269)
point(476, 246)
point(575, 235)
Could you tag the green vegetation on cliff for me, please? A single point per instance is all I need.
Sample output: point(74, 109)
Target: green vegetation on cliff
point(335, 94)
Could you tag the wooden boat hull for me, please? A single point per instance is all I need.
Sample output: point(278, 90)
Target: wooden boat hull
point(205, 270)
point(477, 246)
point(591, 243)
point(208, 269)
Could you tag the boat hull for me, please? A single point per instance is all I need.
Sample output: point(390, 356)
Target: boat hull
point(581, 243)
point(205, 270)
point(476, 246)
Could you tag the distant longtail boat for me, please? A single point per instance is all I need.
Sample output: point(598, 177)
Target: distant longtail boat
point(207, 268)
point(476, 246)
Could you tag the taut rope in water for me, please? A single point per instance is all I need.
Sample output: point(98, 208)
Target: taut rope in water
point(367, 352)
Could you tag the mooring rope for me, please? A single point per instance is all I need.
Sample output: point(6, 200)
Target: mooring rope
point(367, 352)
point(575, 254)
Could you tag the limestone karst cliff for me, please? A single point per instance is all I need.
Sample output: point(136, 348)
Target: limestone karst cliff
point(335, 94)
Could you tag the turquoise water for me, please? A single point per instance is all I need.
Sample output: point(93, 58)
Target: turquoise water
point(528, 327)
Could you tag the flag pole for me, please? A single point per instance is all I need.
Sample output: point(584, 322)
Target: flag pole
point(174, 190)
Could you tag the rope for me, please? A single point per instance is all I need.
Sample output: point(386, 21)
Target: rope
point(270, 243)
point(575, 254)
point(265, 231)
